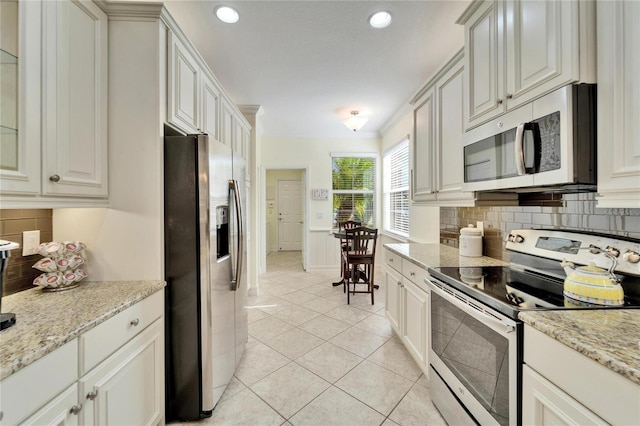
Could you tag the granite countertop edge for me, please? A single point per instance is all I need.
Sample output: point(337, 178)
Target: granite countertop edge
point(557, 325)
point(37, 350)
point(421, 253)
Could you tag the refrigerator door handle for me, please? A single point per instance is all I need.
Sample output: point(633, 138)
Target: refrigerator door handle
point(233, 187)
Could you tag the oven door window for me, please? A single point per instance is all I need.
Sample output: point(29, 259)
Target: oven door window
point(477, 355)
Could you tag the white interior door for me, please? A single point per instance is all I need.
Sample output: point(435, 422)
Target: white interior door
point(290, 219)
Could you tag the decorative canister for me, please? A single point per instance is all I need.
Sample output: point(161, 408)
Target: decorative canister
point(470, 242)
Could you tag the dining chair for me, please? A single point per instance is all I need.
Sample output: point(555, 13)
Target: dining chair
point(344, 245)
point(359, 260)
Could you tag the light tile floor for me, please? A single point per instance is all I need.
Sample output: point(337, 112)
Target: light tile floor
point(312, 359)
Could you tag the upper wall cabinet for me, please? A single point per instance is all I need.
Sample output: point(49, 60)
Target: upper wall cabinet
point(54, 111)
point(437, 142)
point(74, 113)
point(194, 96)
point(618, 104)
point(184, 93)
point(519, 50)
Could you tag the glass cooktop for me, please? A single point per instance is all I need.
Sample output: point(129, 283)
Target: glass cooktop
point(511, 290)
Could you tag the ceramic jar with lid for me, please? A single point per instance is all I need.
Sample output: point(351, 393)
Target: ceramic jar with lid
point(470, 242)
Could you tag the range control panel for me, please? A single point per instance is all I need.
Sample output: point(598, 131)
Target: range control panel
point(578, 248)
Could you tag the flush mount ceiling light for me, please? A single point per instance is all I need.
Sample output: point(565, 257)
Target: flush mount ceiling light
point(380, 19)
point(227, 14)
point(355, 122)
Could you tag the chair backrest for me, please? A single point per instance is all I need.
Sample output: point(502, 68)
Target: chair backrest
point(348, 224)
point(362, 240)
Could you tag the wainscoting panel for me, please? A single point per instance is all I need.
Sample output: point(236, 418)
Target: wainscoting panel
point(324, 251)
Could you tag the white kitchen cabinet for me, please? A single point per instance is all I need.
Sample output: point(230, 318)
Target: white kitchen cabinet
point(519, 50)
point(63, 410)
point(58, 154)
point(423, 150)
point(210, 109)
point(393, 285)
point(128, 388)
point(111, 375)
point(563, 386)
point(407, 306)
point(546, 404)
point(415, 304)
point(618, 104)
point(56, 372)
point(437, 143)
point(227, 121)
point(183, 78)
point(20, 118)
point(74, 87)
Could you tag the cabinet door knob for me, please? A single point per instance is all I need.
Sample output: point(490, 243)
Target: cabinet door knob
point(499, 101)
point(92, 395)
point(54, 178)
point(413, 274)
point(135, 322)
point(75, 410)
point(509, 96)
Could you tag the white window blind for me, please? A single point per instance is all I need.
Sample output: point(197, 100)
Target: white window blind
point(396, 189)
point(354, 185)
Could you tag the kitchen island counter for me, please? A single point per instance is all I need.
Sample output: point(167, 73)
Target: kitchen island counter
point(46, 321)
point(610, 337)
point(435, 255)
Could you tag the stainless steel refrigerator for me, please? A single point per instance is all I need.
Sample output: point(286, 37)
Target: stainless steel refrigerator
point(205, 269)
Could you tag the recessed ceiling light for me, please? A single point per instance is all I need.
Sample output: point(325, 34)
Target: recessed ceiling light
point(380, 19)
point(227, 14)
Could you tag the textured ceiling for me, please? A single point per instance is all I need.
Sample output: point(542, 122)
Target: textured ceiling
point(309, 63)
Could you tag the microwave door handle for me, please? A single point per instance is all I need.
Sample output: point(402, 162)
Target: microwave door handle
point(520, 164)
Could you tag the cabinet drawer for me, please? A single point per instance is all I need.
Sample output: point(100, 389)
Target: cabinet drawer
point(393, 260)
point(103, 340)
point(415, 274)
point(51, 375)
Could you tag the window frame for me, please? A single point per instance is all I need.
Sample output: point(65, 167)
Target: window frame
point(387, 189)
point(373, 192)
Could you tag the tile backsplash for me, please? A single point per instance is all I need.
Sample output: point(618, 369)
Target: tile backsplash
point(19, 274)
point(577, 212)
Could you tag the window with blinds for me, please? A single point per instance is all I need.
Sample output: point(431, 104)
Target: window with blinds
point(354, 185)
point(395, 169)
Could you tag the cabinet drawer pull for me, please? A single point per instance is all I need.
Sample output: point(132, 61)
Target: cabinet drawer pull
point(413, 274)
point(135, 322)
point(75, 410)
point(54, 178)
point(92, 395)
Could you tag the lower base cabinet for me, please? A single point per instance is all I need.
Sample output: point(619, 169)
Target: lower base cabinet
point(414, 321)
point(115, 376)
point(64, 410)
point(407, 306)
point(543, 403)
point(128, 387)
point(561, 386)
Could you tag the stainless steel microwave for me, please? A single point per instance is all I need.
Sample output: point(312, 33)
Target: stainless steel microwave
point(548, 145)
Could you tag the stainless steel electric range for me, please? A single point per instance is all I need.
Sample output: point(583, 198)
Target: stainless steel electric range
point(475, 335)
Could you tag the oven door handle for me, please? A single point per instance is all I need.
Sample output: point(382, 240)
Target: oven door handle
point(496, 323)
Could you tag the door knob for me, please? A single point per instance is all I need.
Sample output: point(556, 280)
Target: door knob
point(54, 178)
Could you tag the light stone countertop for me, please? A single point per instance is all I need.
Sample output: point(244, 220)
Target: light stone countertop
point(434, 255)
point(610, 337)
point(46, 321)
